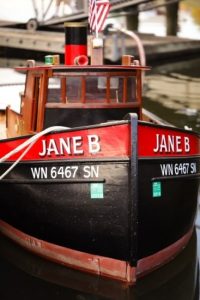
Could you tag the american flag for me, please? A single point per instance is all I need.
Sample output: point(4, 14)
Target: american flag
point(98, 11)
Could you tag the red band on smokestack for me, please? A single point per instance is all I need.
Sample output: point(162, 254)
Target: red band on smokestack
point(73, 51)
point(75, 41)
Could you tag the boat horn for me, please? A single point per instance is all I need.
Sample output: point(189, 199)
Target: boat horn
point(81, 60)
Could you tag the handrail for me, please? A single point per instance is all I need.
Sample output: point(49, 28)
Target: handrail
point(136, 38)
point(92, 105)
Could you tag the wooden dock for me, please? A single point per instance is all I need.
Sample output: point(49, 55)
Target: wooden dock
point(115, 44)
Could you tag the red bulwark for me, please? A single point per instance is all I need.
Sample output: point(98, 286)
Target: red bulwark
point(108, 142)
point(165, 142)
point(103, 142)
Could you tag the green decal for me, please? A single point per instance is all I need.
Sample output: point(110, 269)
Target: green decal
point(156, 189)
point(96, 190)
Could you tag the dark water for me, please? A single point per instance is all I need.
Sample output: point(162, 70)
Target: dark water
point(172, 91)
point(25, 276)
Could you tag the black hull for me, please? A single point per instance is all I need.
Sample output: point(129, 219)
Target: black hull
point(165, 219)
point(63, 213)
point(106, 207)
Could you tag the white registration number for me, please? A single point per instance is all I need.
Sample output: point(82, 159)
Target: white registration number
point(171, 169)
point(65, 172)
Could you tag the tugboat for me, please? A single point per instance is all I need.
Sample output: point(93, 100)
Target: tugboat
point(85, 180)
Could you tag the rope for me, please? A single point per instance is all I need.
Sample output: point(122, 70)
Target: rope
point(29, 144)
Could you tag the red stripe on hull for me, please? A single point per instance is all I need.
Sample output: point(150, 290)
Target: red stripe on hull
point(153, 262)
point(99, 265)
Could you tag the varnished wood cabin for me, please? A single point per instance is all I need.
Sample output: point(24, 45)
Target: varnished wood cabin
point(76, 94)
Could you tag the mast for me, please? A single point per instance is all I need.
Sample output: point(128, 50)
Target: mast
point(98, 12)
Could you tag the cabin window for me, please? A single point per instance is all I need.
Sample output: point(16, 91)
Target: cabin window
point(99, 89)
point(54, 90)
point(95, 88)
point(73, 89)
point(111, 89)
point(131, 89)
point(116, 89)
point(122, 89)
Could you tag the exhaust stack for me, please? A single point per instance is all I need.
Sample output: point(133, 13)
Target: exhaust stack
point(75, 42)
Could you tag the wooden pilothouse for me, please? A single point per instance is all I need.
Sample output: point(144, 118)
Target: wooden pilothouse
point(77, 93)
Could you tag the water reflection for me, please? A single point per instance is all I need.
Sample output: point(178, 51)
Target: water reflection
point(26, 276)
point(172, 91)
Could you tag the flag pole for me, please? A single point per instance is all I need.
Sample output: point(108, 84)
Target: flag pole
point(96, 29)
point(98, 11)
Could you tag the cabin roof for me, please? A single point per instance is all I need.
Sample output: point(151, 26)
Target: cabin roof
point(88, 68)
